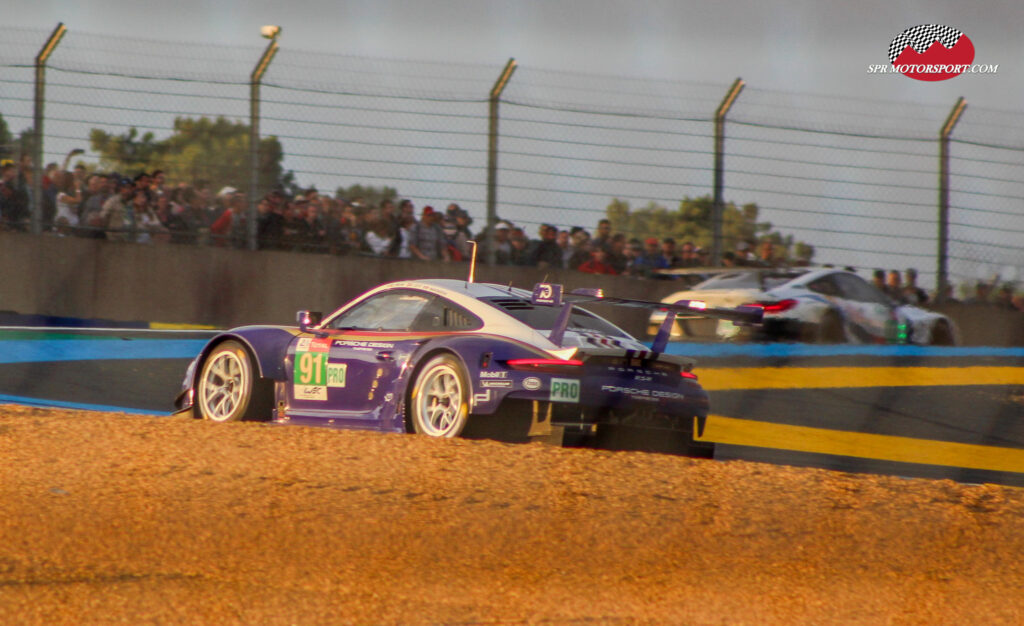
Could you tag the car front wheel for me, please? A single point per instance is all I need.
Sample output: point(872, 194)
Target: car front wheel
point(439, 401)
point(229, 388)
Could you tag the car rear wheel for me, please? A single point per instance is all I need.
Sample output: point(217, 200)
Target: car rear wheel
point(439, 401)
point(942, 335)
point(830, 330)
point(229, 388)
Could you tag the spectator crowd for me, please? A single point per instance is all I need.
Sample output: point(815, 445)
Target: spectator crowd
point(146, 208)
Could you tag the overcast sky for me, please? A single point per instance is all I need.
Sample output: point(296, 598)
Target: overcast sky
point(798, 45)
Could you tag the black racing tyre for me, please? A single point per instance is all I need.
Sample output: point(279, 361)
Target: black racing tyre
point(830, 330)
point(439, 398)
point(229, 388)
point(942, 335)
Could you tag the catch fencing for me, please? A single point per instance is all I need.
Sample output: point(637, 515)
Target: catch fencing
point(858, 179)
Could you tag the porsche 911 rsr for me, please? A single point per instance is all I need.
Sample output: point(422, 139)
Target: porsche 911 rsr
point(446, 358)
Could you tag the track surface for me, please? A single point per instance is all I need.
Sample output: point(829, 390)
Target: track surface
point(167, 520)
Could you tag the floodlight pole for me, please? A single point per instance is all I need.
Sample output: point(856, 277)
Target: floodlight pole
point(942, 273)
point(718, 208)
point(37, 149)
point(492, 157)
point(254, 138)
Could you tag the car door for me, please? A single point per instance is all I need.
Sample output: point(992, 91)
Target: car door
point(346, 371)
point(868, 312)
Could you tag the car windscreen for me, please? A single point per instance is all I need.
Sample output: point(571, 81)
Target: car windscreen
point(389, 310)
point(748, 280)
point(545, 317)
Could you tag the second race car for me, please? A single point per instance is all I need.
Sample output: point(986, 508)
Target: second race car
point(814, 305)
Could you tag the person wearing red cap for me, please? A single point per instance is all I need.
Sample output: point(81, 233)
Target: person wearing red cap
point(426, 240)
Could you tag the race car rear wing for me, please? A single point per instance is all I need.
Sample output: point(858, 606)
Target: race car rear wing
point(548, 294)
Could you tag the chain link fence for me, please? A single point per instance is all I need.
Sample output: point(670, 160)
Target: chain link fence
point(856, 178)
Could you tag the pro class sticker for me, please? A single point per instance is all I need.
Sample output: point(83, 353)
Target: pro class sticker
point(336, 374)
point(565, 390)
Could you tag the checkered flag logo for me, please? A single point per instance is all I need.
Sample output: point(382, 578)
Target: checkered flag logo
point(920, 38)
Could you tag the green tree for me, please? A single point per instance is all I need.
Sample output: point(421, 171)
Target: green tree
point(214, 150)
point(12, 147)
point(6, 149)
point(371, 196)
point(691, 221)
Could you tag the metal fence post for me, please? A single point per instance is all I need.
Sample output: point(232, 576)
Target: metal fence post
point(942, 273)
point(492, 156)
point(37, 149)
point(718, 208)
point(254, 133)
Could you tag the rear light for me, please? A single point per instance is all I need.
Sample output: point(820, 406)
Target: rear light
point(544, 365)
point(775, 307)
point(688, 375)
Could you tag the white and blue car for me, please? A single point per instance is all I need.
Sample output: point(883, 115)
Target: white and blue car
point(448, 358)
point(825, 305)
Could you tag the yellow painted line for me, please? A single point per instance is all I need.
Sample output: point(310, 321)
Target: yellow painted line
point(730, 430)
point(828, 377)
point(168, 326)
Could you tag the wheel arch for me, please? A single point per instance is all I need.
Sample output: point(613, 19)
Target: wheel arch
point(417, 363)
point(266, 346)
point(469, 350)
point(274, 344)
point(218, 340)
point(422, 357)
point(260, 397)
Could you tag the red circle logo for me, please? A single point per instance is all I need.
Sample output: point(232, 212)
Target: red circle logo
point(931, 52)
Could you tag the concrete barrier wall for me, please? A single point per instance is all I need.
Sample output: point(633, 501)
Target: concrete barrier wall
point(225, 287)
point(983, 325)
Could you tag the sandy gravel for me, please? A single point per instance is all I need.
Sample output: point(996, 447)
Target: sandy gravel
point(129, 519)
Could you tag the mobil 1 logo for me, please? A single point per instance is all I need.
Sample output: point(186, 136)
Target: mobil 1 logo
point(565, 390)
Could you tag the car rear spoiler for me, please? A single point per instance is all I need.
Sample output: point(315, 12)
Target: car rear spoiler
point(549, 294)
point(685, 363)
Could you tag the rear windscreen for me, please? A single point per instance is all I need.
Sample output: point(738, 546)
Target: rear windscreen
point(545, 317)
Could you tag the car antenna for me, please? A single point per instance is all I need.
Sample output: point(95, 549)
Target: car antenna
point(472, 263)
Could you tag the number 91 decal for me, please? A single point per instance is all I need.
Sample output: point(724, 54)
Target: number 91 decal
point(314, 375)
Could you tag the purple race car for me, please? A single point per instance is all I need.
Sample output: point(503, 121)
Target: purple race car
point(446, 358)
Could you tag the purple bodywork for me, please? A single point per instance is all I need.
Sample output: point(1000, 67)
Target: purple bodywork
point(360, 378)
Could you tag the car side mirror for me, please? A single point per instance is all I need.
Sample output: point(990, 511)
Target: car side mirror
point(307, 319)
